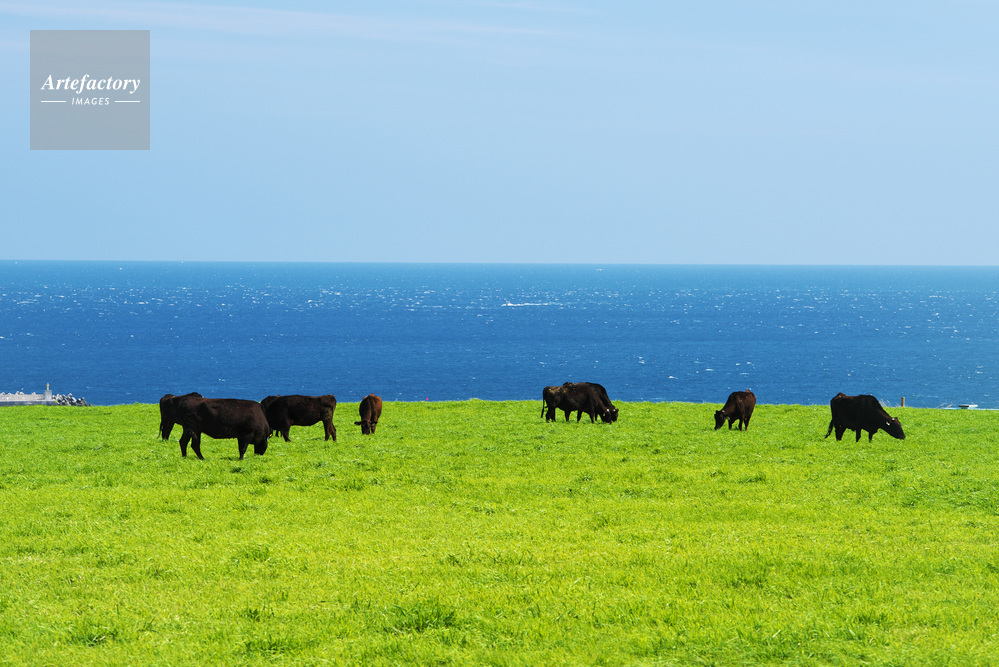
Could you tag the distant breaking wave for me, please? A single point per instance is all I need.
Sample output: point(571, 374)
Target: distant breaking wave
point(519, 305)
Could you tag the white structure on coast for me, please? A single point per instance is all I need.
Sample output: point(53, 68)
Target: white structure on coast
point(20, 398)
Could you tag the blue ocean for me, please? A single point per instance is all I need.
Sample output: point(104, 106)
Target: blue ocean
point(128, 332)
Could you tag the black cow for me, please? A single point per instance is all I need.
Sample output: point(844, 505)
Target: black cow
point(861, 413)
point(550, 397)
point(167, 418)
point(221, 418)
point(739, 406)
point(283, 412)
point(578, 397)
point(611, 411)
point(266, 404)
point(371, 410)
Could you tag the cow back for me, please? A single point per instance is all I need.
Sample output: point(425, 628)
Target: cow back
point(222, 417)
point(550, 395)
point(859, 408)
point(370, 411)
point(300, 410)
point(370, 406)
point(739, 405)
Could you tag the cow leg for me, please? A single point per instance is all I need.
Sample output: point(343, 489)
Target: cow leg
point(243, 444)
point(185, 438)
point(285, 432)
point(374, 424)
point(196, 444)
point(567, 413)
point(840, 430)
point(870, 435)
point(731, 420)
point(859, 431)
point(330, 430)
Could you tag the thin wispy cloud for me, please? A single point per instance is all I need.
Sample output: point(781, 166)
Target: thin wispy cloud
point(256, 21)
point(544, 7)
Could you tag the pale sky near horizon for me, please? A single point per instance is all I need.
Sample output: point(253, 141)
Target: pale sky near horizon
point(707, 131)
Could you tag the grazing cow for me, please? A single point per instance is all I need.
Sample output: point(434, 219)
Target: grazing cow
point(221, 418)
point(578, 397)
point(610, 414)
point(283, 412)
point(861, 413)
point(167, 418)
point(371, 410)
point(739, 406)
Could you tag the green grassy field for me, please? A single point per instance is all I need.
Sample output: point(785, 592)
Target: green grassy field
point(475, 533)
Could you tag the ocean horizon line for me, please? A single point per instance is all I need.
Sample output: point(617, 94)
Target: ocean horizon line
point(273, 262)
point(887, 404)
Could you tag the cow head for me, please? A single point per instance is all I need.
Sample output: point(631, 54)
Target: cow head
point(609, 415)
point(260, 447)
point(719, 419)
point(365, 426)
point(894, 428)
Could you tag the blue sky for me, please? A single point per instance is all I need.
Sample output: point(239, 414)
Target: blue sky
point(734, 132)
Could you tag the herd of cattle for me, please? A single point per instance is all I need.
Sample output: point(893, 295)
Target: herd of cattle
point(856, 413)
point(250, 422)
